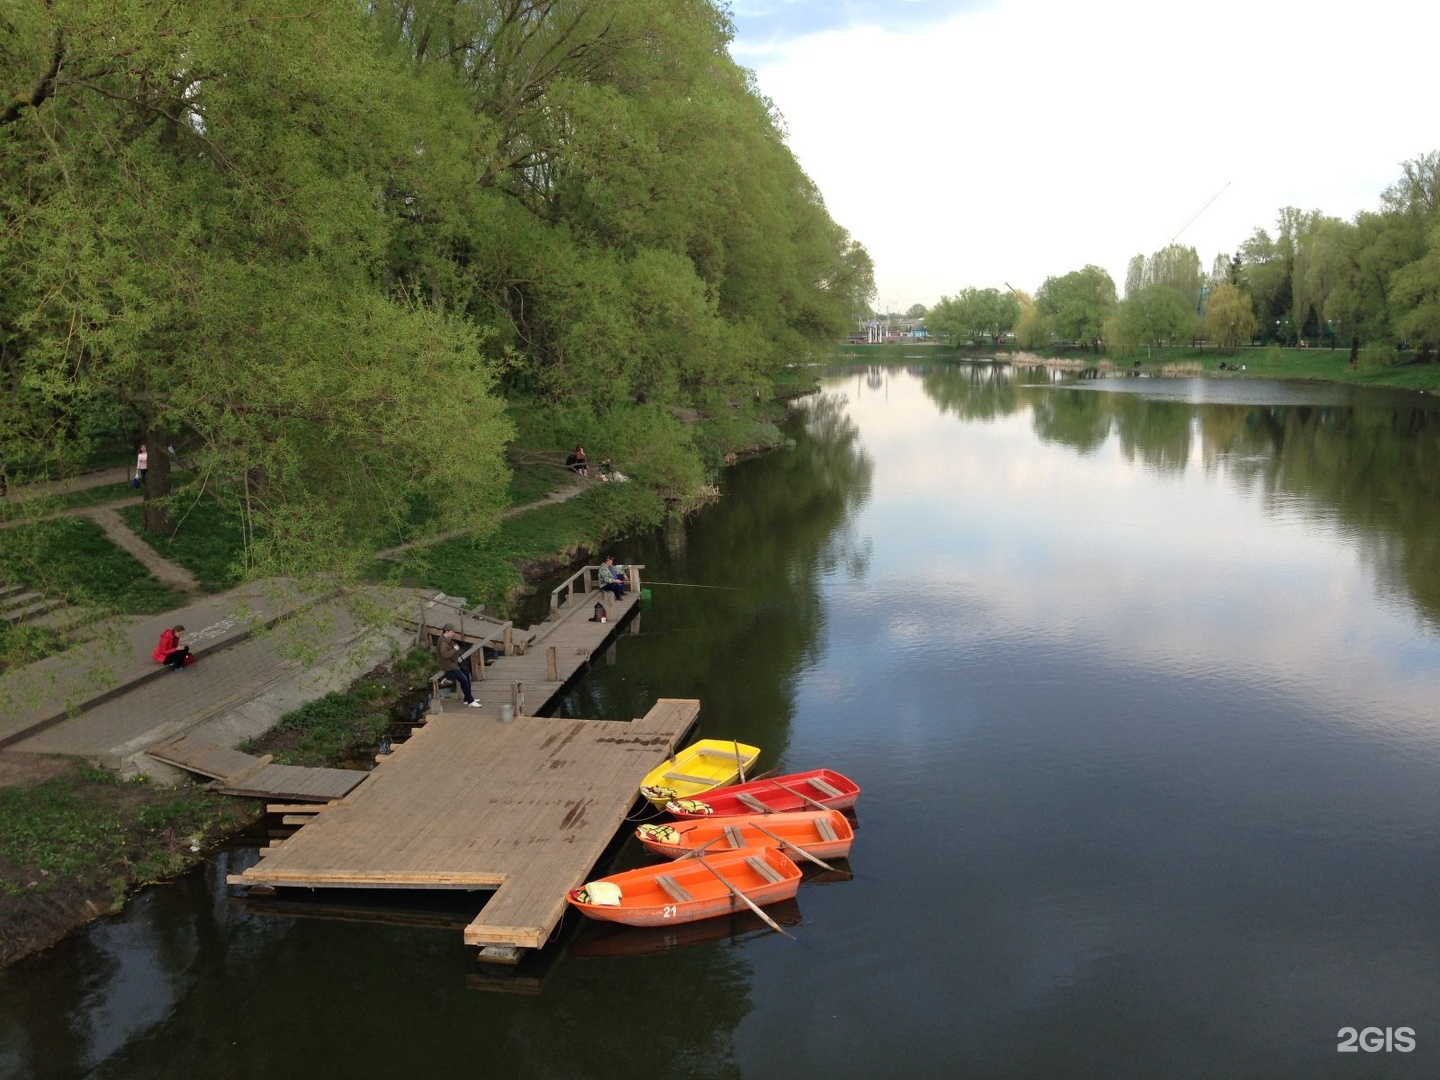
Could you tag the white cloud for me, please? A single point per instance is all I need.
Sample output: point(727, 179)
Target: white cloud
point(1028, 139)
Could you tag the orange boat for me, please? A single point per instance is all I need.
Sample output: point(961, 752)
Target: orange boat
point(826, 834)
point(818, 789)
point(690, 889)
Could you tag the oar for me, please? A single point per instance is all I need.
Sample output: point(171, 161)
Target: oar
point(694, 853)
point(738, 759)
point(800, 795)
point(791, 845)
point(748, 902)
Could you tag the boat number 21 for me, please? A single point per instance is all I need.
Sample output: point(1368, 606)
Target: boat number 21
point(1371, 1039)
point(668, 911)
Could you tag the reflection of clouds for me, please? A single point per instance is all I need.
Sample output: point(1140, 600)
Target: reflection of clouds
point(1190, 570)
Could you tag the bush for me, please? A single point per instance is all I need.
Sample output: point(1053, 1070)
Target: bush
point(1377, 355)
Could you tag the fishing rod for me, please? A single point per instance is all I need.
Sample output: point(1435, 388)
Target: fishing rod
point(1200, 211)
point(688, 585)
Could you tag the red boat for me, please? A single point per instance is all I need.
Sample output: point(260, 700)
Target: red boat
point(819, 789)
point(690, 889)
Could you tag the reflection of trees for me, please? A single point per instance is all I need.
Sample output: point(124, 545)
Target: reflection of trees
point(266, 996)
point(738, 643)
point(972, 391)
point(1373, 467)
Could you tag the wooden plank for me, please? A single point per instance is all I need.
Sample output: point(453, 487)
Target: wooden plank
point(824, 786)
point(677, 892)
point(690, 779)
point(764, 869)
point(525, 808)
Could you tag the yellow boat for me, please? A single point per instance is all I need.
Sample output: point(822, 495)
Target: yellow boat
point(707, 764)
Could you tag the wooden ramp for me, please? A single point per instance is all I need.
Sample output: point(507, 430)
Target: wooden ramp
point(525, 808)
point(236, 773)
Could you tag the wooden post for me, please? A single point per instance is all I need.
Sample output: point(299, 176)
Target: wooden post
point(552, 665)
point(435, 707)
point(509, 639)
point(517, 697)
point(633, 573)
point(554, 605)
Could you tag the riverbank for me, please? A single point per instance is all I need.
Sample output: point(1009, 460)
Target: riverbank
point(77, 842)
point(1249, 362)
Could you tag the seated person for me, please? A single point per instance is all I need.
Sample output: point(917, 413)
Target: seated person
point(575, 461)
point(169, 651)
point(612, 577)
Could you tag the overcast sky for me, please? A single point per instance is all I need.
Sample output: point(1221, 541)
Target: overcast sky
point(966, 142)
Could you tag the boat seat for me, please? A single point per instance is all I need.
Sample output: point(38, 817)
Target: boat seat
point(824, 787)
point(752, 802)
point(825, 829)
point(764, 869)
point(677, 891)
point(727, 755)
point(732, 834)
point(708, 781)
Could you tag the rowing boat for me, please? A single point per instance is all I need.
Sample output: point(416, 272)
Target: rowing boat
point(690, 889)
point(826, 834)
point(709, 763)
point(819, 789)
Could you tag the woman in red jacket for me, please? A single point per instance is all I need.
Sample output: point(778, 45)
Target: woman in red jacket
point(170, 651)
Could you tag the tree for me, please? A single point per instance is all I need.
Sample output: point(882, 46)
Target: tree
point(1078, 303)
point(1229, 317)
point(916, 311)
point(1156, 315)
point(190, 252)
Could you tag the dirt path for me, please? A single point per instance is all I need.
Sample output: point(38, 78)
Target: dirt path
point(559, 495)
point(121, 536)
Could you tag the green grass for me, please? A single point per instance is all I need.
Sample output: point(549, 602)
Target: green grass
point(324, 731)
point(91, 829)
point(72, 559)
point(209, 542)
point(486, 569)
point(532, 481)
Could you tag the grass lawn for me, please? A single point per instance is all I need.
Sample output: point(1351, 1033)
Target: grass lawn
point(487, 569)
point(71, 558)
point(209, 542)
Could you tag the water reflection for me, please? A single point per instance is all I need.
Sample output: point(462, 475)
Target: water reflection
point(1139, 680)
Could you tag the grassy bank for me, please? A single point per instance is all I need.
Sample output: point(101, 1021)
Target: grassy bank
point(77, 844)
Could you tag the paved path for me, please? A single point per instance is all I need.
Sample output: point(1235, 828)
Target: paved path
point(44, 694)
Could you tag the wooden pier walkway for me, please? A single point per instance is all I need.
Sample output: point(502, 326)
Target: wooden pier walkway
point(469, 802)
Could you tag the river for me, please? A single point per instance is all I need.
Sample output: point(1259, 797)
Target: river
point(1141, 680)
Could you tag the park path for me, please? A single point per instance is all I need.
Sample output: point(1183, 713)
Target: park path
point(559, 495)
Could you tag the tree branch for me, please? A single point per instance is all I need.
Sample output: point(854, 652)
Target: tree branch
point(44, 86)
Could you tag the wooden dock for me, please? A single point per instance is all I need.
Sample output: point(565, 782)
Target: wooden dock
point(525, 808)
point(237, 773)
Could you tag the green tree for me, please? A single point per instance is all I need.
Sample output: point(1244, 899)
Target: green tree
point(1078, 304)
point(191, 251)
point(1229, 317)
point(1156, 315)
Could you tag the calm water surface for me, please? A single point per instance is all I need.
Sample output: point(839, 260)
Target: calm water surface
point(1142, 683)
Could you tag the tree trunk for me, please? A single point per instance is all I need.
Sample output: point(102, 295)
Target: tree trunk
point(156, 514)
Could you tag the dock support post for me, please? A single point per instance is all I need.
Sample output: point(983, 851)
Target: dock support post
point(552, 664)
point(517, 697)
point(435, 707)
point(509, 639)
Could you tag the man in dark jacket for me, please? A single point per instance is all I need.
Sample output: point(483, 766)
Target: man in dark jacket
point(447, 651)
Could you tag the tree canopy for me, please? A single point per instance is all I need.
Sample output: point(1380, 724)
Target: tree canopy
point(314, 246)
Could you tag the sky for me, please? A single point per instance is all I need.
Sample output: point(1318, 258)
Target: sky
point(985, 142)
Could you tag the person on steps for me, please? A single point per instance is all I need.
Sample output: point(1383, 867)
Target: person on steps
point(170, 651)
point(447, 651)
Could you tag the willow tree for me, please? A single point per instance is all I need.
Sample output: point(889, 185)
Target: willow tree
point(1229, 317)
point(644, 233)
point(198, 203)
